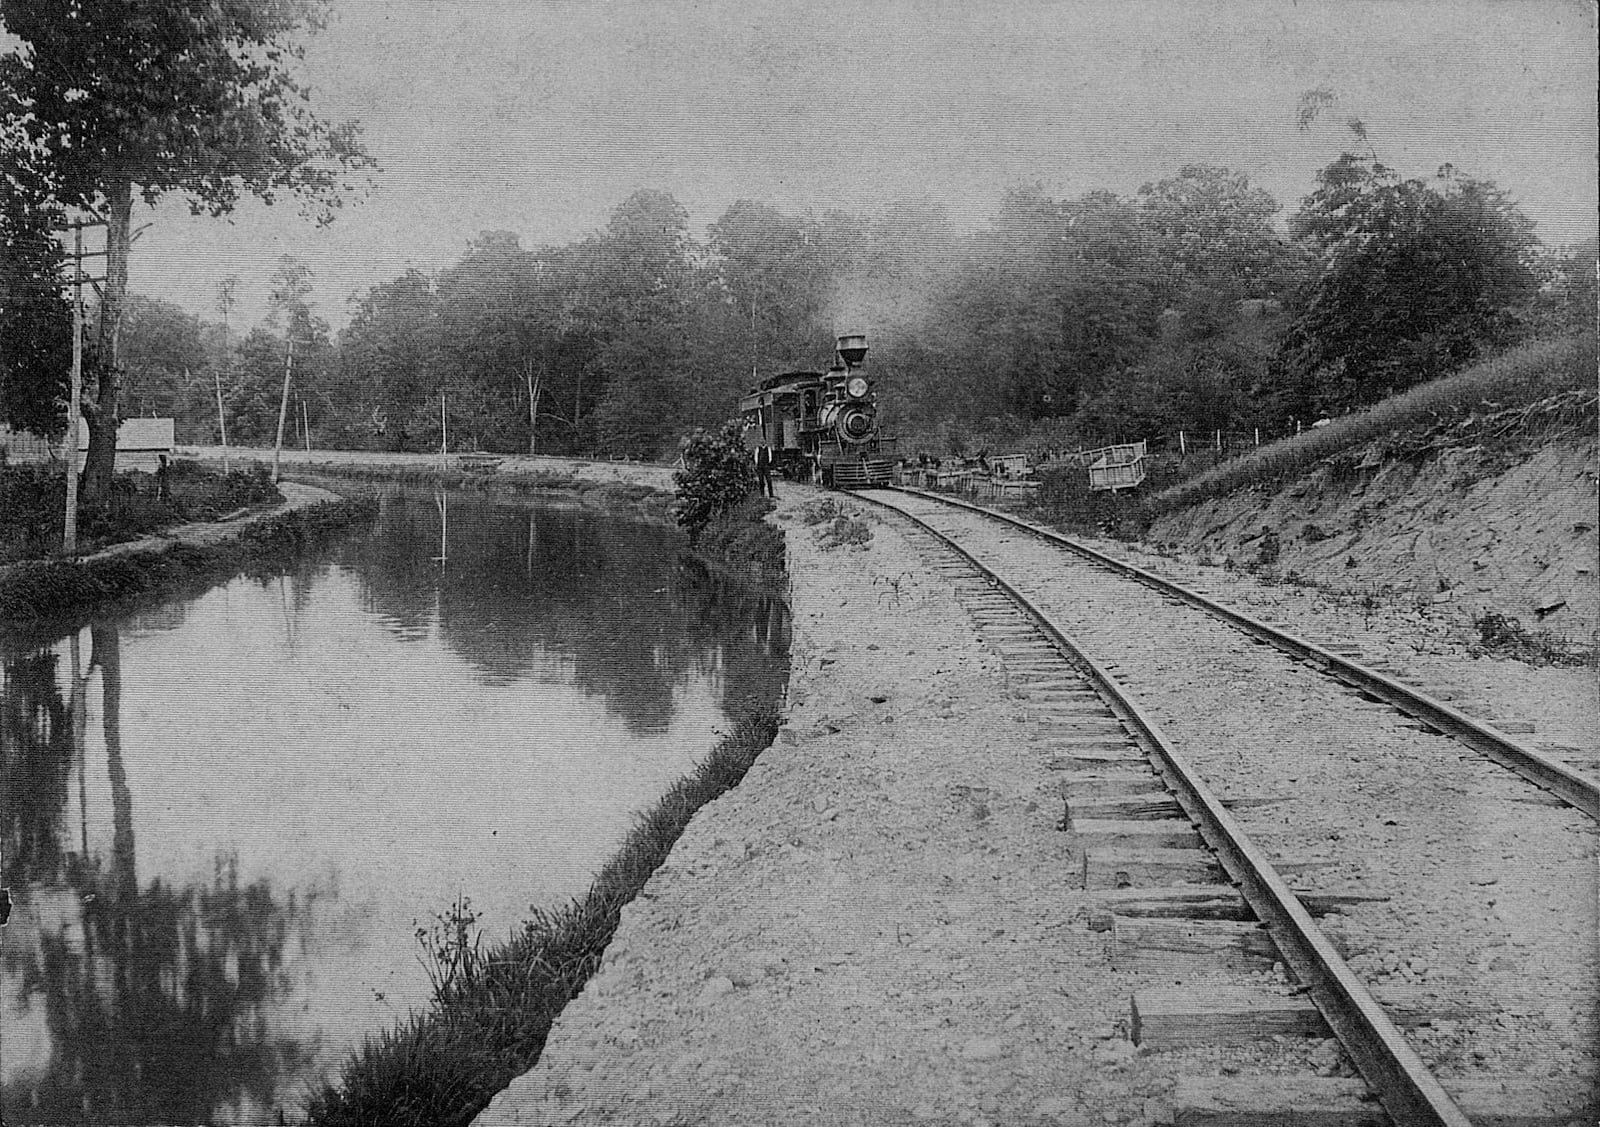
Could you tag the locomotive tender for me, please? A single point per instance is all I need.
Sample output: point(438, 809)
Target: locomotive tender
point(822, 426)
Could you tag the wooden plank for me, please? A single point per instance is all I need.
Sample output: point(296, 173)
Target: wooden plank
point(1141, 805)
point(1135, 833)
point(1315, 1101)
point(1148, 868)
point(1090, 781)
point(1093, 759)
point(1167, 1017)
point(1175, 1017)
point(1194, 902)
point(1163, 944)
point(1093, 742)
point(1088, 730)
point(1321, 903)
point(1274, 1101)
point(1219, 902)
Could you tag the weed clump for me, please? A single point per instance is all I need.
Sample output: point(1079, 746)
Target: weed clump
point(843, 531)
point(839, 525)
point(1503, 636)
point(1270, 549)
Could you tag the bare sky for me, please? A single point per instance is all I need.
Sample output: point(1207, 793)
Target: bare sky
point(539, 116)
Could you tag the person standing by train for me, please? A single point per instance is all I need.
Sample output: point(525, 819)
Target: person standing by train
point(764, 470)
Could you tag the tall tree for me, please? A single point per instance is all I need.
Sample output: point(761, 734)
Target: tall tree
point(1208, 227)
point(1418, 278)
point(35, 319)
point(126, 99)
point(163, 349)
point(781, 273)
point(388, 358)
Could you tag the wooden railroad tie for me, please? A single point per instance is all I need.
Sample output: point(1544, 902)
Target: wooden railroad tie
point(1202, 902)
point(1150, 868)
point(1135, 833)
point(1091, 781)
point(1314, 1101)
point(1168, 946)
point(1205, 1013)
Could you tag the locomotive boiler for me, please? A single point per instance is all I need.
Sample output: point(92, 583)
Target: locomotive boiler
point(822, 426)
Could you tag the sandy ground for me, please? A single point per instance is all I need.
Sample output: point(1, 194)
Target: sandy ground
point(877, 926)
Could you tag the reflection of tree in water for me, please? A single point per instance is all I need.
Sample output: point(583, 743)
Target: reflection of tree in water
point(36, 760)
point(750, 627)
point(603, 593)
point(154, 999)
point(398, 579)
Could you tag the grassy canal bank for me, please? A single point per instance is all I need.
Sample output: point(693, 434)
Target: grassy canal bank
point(43, 592)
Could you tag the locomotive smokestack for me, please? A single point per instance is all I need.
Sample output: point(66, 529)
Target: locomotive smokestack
point(852, 349)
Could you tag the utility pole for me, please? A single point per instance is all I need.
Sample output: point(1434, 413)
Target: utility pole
point(444, 434)
point(305, 425)
point(283, 405)
point(222, 424)
point(69, 533)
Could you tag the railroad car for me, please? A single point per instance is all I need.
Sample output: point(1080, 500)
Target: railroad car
point(822, 426)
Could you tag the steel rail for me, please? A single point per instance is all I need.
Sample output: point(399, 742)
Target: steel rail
point(1409, 1093)
point(1560, 780)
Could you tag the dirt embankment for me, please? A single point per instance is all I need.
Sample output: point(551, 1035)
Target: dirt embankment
point(1464, 529)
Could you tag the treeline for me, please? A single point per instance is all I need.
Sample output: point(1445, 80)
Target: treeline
point(1187, 306)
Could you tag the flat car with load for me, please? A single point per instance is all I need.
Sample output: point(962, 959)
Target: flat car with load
point(822, 426)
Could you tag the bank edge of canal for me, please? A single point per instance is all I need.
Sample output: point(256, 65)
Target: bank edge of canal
point(46, 593)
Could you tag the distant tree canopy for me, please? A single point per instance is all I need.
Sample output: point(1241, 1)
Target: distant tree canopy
point(1105, 317)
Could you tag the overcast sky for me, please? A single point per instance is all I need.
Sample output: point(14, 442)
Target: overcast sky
point(539, 116)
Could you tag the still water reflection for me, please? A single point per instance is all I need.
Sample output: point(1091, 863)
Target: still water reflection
point(223, 819)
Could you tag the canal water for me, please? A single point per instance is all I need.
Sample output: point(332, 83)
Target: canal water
point(225, 820)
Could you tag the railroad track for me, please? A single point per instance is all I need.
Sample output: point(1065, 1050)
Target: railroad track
point(1282, 844)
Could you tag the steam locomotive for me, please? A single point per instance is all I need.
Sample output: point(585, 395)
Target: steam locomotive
point(822, 426)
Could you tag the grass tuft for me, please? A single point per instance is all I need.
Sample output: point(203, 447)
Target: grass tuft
point(490, 1016)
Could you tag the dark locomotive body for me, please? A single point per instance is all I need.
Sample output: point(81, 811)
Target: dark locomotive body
point(822, 426)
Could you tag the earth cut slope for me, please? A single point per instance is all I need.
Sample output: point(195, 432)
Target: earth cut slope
point(1462, 529)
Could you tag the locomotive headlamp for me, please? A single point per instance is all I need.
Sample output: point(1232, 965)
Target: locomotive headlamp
point(857, 387)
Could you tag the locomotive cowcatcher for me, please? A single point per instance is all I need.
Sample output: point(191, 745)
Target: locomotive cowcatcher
point(822, 426)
